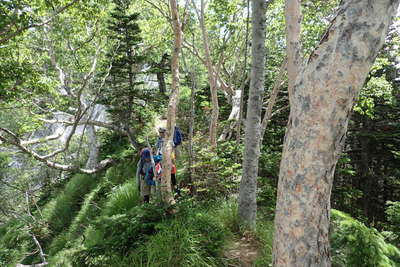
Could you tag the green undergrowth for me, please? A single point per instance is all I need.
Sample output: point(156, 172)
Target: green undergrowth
point(354, 244)
point(100, 221)
point(14, 242)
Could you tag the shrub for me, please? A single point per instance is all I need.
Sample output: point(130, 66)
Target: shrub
point(393, 217)
point(354, 244)
point(217, 173)
point(14, 242)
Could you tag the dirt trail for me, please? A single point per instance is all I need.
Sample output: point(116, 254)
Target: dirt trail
point(243, 252)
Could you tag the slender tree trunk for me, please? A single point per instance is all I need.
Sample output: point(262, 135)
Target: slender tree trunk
point(212, 78)
point(293, 50)
point(248, 187)
point(161, 82)
point(240, 116)
point(190, 139)
point(233, 118)
point(166, 191)
point(323, 97)
point(272, 99)
point(160, 73)
point(93, 158)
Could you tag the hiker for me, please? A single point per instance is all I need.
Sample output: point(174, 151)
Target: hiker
point(177, 140)
point(158, 172)
point(145, 174)
point(160, 140)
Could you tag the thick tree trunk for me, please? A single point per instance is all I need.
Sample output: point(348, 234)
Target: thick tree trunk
point(248, 186)
point(323, 97)
point(166, 191)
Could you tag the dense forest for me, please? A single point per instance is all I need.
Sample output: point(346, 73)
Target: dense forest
point(200, 133)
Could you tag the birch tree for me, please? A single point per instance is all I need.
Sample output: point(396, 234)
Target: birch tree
point(323, 97)
point(293, 29)
point(173, 102)
point(211, 77)
point(248, 186)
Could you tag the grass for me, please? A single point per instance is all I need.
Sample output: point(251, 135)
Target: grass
point(122, 199)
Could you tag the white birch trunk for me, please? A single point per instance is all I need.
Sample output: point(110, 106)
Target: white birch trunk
point(166, 191)
point(293, 30)
point(211, 80)
point(323, 97)
point(233, 116)
point(248, 186)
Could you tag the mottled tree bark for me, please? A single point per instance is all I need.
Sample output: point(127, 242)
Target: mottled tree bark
point(293, 30)
point(248, 186)
point(166, 191)
point(323, 97)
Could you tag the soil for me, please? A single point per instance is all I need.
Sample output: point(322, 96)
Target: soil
point(243, 251)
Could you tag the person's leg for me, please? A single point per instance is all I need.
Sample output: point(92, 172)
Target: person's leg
point(144, 191)
point(174, 184)
point(173, 179)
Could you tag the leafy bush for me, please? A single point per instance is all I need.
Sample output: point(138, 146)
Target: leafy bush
point(266, 198)
point(89, 210)
point(354, 244)
point(217, 173)
point(393, 217)
point(15, 242)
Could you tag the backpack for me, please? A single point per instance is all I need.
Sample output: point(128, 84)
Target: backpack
point(177, 137)
point(158, 171)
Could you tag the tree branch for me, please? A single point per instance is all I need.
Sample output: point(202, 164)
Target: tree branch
point(272, 98)
point(41, 253)
point(17, 142)
point(42, 139)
